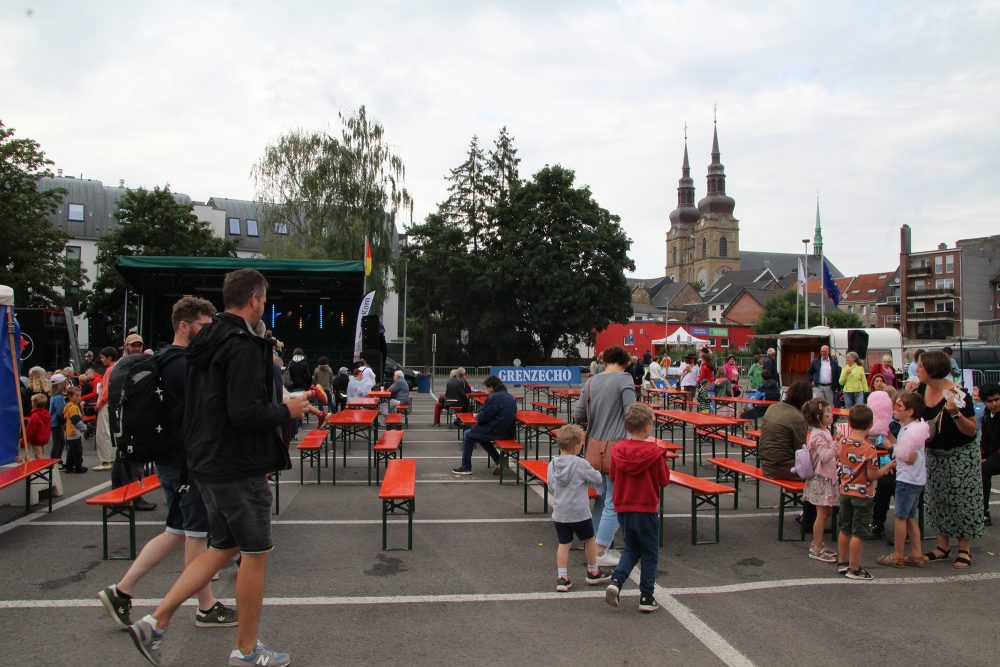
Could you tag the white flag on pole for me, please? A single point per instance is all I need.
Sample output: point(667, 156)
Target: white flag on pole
point(802, 279)
point(364, 309)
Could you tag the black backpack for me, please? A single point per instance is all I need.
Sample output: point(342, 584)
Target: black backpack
point(138, 422)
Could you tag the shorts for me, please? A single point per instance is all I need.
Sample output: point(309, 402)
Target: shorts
point(189, 516)
point(584, 530)
point(239, 514)
point(855, 516)
point(907, 500)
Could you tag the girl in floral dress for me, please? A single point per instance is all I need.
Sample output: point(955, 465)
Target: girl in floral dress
point(821, 489)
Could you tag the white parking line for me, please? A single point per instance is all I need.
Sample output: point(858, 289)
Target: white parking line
point(30, 518)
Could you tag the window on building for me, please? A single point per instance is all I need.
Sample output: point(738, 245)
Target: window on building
point(864, 310)
point(234, 226)
point(944, 283)
point(944, 306)
point(723, 247)
point(75, 212)
point(704, 248)
point(251, 227)
point(939, 264)
point(949, 264)
point(918, 286)
point(723, 342)
point(918, 307)
point(850, 309)
point(281, 228)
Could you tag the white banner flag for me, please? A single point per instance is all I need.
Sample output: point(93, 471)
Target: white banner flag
point(802, 279)
point(364, 309)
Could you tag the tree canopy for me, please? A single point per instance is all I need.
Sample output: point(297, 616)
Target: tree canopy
point(151, 223)
point(33, 253)
point(324, 195)
point(779, 315)
point(540, 269)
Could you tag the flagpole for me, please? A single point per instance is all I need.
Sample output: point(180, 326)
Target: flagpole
point(822, 301)
point(805, 287)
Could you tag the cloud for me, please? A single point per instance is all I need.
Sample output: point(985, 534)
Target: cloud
point(886, 109)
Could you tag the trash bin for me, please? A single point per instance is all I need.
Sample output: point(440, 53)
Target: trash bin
point(424, 384)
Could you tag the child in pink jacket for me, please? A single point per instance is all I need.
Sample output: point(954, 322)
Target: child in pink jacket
point(821, 488)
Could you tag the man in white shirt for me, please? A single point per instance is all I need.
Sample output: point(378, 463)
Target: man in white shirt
point(367, 375)
point(823, 374)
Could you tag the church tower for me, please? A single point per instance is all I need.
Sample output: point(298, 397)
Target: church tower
point(716, 247)
point(818, 236)
point(683, 220)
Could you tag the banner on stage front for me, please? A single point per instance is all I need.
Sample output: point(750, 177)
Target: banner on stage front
point(10, 362)
point(364, 309)
point(537, 374)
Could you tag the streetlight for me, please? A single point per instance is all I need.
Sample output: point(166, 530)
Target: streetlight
point(805, 265)
point(404, 242)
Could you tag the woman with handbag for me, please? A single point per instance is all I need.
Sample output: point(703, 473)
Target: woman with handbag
point(602, 408)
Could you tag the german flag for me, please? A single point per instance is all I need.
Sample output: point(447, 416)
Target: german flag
point(368, 258)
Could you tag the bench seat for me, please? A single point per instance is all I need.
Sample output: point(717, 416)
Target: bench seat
point(121, 502)
point(704, 492)
point(509, 449)
point(790, 489)
point(310, 447)
point(548, 408)
point(398, 492)
point(394, 420)
point(29, 471)
point(388, 447)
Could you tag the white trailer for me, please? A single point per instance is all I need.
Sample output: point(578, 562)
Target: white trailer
point(798, 347)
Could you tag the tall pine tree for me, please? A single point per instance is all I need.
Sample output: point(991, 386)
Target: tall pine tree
point(469, 195)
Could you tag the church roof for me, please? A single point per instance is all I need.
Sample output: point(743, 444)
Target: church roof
point(783, 263)
point(729, 284)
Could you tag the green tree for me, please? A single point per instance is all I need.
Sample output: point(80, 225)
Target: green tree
point(469, 197)
point(502, 172)
point(556, 267)
point(33, 253)
point(324, 195)
point(151, 223)
point(779, 315)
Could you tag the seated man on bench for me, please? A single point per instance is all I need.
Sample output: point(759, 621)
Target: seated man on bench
point(495, 422)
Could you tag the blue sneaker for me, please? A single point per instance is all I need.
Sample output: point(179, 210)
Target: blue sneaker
point(261, 655)
point(147, 640)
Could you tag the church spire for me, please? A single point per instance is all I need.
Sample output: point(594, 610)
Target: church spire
point(685, 213)
point(715, 200)
point(818, 236)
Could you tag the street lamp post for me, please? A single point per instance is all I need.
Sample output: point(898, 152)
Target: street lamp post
point(805, 265)
point(404, 241)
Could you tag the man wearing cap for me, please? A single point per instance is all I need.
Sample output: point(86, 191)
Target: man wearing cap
point(339, 388)
point(122, 471)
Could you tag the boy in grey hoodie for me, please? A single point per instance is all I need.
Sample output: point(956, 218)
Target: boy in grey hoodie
point(570, 476)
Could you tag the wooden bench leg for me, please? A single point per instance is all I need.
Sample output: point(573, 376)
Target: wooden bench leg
point(109, 511)
point(789, 500)
point(408, 505)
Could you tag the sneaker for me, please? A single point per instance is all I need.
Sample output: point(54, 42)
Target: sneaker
point(462, 471)
point(609, 559)
point(612, 593)
point(496, 470)
point(648, 604)
point(824, 555)
point(118, 606)
point(102, 466)
point(219, 616)
point(842, 569)
point(563, 584)
point(602, 577)
point(142, 505)
point(860, 573)
point(147, 640)
point(261, 655)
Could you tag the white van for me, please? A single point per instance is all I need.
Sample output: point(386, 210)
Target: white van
point(798, 347)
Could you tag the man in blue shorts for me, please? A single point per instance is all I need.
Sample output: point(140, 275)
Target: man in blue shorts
point(232, 425)
point(187, 519)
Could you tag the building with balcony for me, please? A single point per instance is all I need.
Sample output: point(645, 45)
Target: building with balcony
point(947, 292)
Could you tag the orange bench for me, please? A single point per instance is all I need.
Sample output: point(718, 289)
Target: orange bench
point(791, 490)
point(394, 420)
point(746, 445)
point(310, 448)
point(29, 471)
point(404, 409)
point(545, 407)
point(704, 492)
point(509, 449)
point(121, 502)
point(397, 493)
point(389, 446)
point(538, 471)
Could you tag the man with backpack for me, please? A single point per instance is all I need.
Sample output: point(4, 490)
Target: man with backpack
point(232, 430)
point(187, 519)
point(123, 471)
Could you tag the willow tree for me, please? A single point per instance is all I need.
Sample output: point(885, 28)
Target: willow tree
point(324, 194)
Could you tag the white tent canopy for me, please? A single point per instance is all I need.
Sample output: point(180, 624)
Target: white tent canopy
point(680, 337)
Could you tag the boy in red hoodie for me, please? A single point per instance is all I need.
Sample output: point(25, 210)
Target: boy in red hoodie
point(639, 472)
point(39, 428)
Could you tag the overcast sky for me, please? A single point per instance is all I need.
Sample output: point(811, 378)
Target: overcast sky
point(888, 109)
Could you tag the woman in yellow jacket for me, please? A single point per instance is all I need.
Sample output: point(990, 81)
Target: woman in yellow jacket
point(853, 380)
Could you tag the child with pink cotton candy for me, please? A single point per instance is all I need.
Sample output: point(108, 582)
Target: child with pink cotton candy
point(911, 476)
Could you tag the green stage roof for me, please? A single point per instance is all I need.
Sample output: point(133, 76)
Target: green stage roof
point(132, 265)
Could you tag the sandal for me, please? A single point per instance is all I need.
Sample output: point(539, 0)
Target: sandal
point(824, 555)
point(963, 562)
point(914, 561)
point(842, 568)
point(890, 560)
point(937, 554)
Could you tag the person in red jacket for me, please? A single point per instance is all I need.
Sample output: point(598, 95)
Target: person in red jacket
point(39, 428)
point(639, 472)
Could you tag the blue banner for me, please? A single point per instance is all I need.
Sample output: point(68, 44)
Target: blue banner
point(513, 375)
point(10, 415)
